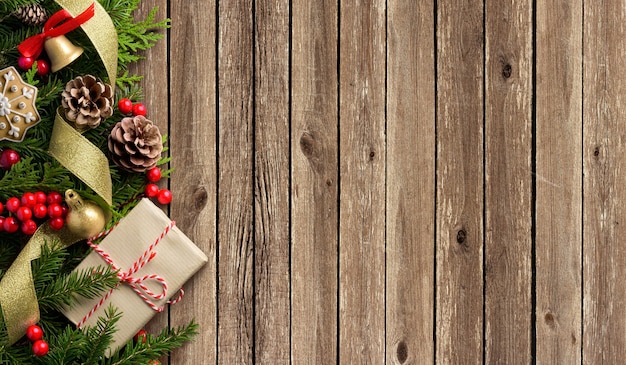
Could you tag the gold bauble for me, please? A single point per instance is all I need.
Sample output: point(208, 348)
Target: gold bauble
point(85, 218)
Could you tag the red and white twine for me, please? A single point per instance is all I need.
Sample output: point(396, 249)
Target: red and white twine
point(127, 277)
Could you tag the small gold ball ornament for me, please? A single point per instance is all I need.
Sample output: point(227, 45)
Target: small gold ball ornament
point(85, 218)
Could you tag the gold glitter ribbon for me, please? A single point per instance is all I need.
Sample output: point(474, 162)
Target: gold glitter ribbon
point(81, 157)
point(100, 30)
point(18, 299)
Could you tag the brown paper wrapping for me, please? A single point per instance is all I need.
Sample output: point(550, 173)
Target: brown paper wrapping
point(177, 259)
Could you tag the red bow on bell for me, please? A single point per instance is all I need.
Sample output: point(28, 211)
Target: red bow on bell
point(32, 46)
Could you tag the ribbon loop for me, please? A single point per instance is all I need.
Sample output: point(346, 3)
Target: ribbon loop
point(32, 46)
point(136, 284)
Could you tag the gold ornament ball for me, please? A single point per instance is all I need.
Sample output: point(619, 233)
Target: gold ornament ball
point(85, 218)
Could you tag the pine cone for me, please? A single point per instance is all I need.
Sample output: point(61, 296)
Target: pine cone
point(87, 101)
point(33, 15)
point(135, 144)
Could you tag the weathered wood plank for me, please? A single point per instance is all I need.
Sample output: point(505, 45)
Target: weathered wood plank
point(508, 182)
point(459, 278)
point(362, 183)
point(558, 181)
point(155, 89)
point(193, 142)
point(410, 182)
point(235, 233)
point(314, 145)
point(271, 264)
point(604, 183)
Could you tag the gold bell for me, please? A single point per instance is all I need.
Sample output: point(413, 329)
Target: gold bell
point(61, 52)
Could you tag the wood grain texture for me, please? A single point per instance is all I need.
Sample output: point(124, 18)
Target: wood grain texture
point(558, 182)
point(314, 145)
point(272, 187)
point(410, 182)
point(235, 296)
point(459, 253)
point(604, 177)
point(362, 183)
point(508, 182)
point(193, 145)
point(322, 150)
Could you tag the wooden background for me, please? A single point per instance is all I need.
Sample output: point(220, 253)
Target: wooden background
point(400, 181)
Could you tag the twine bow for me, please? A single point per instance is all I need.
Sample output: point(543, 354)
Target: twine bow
point(32, 46)
point(137, 284)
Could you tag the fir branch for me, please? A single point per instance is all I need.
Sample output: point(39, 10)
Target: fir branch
point(154, 347)
point(27, 175)
point(68, 347)
point(88, 283)
point(54, 292)
point(101, 335)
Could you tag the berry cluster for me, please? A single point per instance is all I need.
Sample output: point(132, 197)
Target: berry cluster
point(35, 334)
point(26, 63)
point(163, 196)
point(126, 107)
point(23, 212)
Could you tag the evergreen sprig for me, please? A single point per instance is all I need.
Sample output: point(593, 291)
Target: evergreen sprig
point(54, 291)
point(154, 347)
point(28, 175)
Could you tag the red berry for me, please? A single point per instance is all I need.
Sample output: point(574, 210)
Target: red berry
point(55, 210)
point(125, 106)
point(153, 174)
point(29, 200)
point(41, 197)
point(40, 211)
point(139, 109)
point(40, 348)
point(152, 190)
point(24, 213)
point(10, 224)
point(25, 63)
point(165, 196)
point(13, 204)
point(54, 197)
point(141, 336)
point(8, 158)
point(34, 333)
point(29, 227)
point(154, 362)
point(57, 223)
point(2, 223)
point(43, 67)
point(65, 209)
point(1, 207)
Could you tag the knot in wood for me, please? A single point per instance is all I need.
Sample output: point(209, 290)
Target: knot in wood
point(461, 236)
point(402, 352)
point(550, 320)
point(372, 155)
point(506, 71)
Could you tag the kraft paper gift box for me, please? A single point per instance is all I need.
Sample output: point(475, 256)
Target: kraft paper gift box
point(177, 259)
